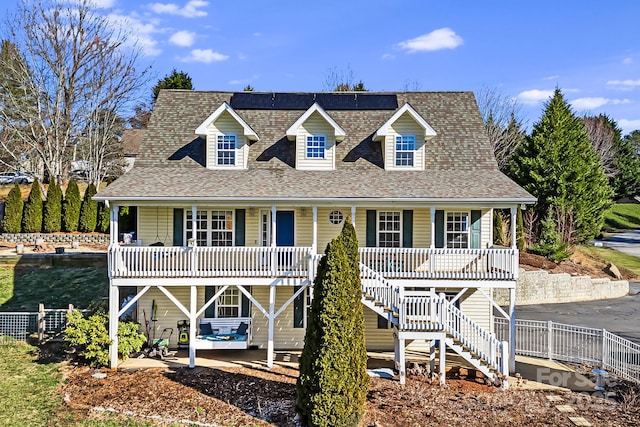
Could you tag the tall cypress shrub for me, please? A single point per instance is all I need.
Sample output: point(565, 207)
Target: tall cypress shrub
point(52, 216)
point(12, 221)
point(104, 218)
point(333, 382)
point(520, 242)
point(88, 211)
point(32, 213)
point(498, 228)
point(71, 207)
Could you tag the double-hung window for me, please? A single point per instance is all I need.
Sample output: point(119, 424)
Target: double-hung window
point(389, 229)
point(316, 144)
point(226, 149)
point(405, 150)
point(457, 230)
point(214, 228)
point(228, 304)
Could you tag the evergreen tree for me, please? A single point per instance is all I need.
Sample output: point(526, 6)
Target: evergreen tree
point(32, 214)
point(558, 165)
point(52, 217)
point(627, 181)
point(104, 218)
point(520, 242)
point(175, 80)
point(550, 244)
point(333, 383)
point(88, 211)
point(498, 228)
point(12, 221)
point(71, 207)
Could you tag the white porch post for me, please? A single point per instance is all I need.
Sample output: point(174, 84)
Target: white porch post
point(400, 359)
point(442, 354)
point(194, 224)
point(193, 310)
point(314, 244)
point(274, 257)
point(514, 240)
point(512, 329)
point(433, 228)
point(114, 306)
point(353, 216)
point(113, 224)
point(272, 317)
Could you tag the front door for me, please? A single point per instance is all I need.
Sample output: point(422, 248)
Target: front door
point(284, 228)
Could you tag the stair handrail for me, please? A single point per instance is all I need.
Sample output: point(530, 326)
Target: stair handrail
point(384, 293)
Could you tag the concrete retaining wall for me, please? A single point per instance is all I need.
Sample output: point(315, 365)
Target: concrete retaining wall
point(541, 287)
point(66, 238)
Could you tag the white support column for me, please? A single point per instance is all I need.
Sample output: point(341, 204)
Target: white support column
point(113, 224)
point(512, 330)
point(432, 357)
point(272, 318)
point(194, 224)
point(114, 305)
point(193, 308)
point(402, 373)
point(433, 228)
point(514, 239)
point(314, 244)
point(273, 226)
point(442, 354)
point(353, 216)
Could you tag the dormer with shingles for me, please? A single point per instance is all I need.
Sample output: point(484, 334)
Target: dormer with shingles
point(315, 134)
point(227, 138)
point(403, 137)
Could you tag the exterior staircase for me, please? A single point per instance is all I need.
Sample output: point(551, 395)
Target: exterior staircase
point(424, 311)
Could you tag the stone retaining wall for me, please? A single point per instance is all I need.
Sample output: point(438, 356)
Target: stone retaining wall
point(56, 238)
point(541, 287)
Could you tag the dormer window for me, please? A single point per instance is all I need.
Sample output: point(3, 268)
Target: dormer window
point(316, 145)
point(226, 150)
point(405, 150)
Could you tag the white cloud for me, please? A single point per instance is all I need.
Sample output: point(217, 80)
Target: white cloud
point(235, 82)
point(257, 34)
point(554, 77)
point(628, 60)
point(190, 10)
point(534, 96)
point(388, 56)
point(628, 126)
point(595, 102)
point(183, 38)
point(142, 32)
point(206, 56)
point(624, 83)
point(442, 38)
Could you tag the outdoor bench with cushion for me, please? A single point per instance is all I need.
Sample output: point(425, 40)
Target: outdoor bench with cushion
point(224, 334)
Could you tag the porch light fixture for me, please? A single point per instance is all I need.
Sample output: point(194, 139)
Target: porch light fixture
point(252, 212)
point(303, 211)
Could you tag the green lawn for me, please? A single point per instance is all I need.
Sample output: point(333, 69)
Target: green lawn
point(22, 289)
point(622, 216)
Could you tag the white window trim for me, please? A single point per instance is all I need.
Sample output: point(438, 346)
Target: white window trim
point(235, 151)
point(238, 305)
point(378, 226)
point(306, 146)
point(308, 295)
point(468, 232)
point(396, 151)
point(209, 230)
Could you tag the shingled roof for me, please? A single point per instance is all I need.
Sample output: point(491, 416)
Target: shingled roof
point(460, 165)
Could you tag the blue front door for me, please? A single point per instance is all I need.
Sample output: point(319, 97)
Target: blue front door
point(284, 228)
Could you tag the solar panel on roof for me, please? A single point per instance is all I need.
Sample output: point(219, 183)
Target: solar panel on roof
point(293, 101)
point(252, 101)
point(302, 101)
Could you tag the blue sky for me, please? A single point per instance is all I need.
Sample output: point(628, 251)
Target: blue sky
point(589, 49)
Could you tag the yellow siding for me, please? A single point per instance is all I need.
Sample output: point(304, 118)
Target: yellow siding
point(315, 125)
point(326, 230)
point(285, 336)
point(155, 224)
point(376, 339)
point(226, 124)
point(405, 125)
point(478, 308)
point(421, 228)
point(168, 314)
point(485, 229)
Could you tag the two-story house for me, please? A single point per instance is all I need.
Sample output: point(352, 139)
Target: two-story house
point(238, 194)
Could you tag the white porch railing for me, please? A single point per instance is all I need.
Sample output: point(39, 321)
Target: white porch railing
point(247, 261)
point(432, 263)
point(237, 261)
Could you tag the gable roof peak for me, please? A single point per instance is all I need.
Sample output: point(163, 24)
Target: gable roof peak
point(339, 133)
point(248, 131)
point(381, 133)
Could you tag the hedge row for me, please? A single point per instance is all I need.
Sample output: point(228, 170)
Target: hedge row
point(68, 212)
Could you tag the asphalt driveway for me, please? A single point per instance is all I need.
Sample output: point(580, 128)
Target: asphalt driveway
point(628, 243)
